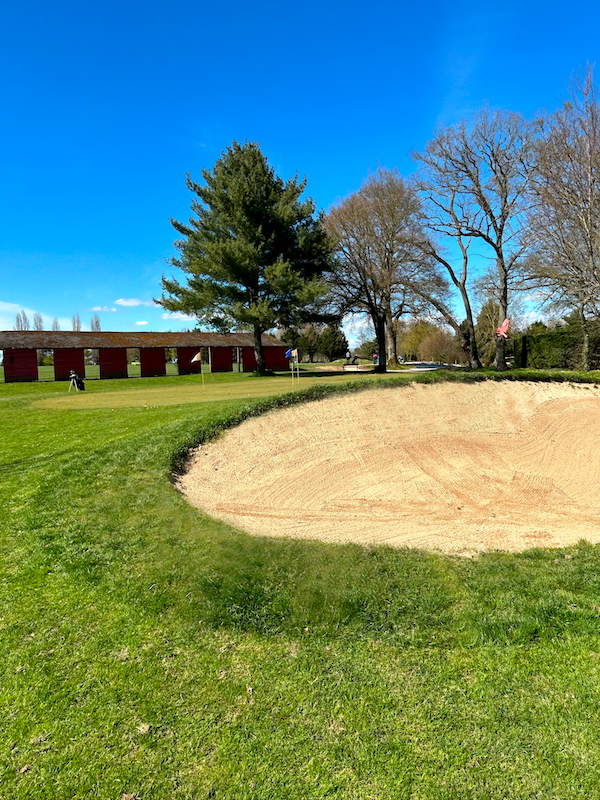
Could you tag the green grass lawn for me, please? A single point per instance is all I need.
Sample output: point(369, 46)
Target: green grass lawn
point(148, 650)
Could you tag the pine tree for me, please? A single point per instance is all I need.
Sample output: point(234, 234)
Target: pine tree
point(333, 343)
point(253, 253)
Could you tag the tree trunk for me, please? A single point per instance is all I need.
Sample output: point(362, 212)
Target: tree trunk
point(259, 353)
point(500, 360)
point(468, 342)
point(585, 351)
point(469, 346)
point(390, 335)
point(379, 323)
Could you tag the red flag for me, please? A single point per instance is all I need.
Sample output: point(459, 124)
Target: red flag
point(503, 329)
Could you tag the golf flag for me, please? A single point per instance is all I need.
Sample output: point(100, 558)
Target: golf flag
point(291, 353)
point(197, 357)
point(503, 329)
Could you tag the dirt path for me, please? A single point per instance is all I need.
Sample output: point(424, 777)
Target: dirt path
point(454, 467)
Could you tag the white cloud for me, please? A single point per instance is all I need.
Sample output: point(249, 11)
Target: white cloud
point(8, 316)
point(142, 322)
point(357, 328)
point(10, 307)
point(133, 301)
point(524, 320)
point(179, 315)
point(103, 308)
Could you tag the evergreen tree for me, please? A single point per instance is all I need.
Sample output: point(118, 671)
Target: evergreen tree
point(333, 343)
point(485, 330)
point(253, 252)
point(308, 342)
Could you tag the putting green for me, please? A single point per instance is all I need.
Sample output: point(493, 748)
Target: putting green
point(171, 395)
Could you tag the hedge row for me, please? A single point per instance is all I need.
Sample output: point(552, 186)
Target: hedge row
point(557, 349)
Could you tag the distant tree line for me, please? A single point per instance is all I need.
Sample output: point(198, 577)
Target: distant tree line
point(23, 324)
point(315, 342)
point(45, 357)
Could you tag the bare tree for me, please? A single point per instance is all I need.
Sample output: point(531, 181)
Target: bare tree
point(55, 324)
point(565, 218)
point(440, 345)
point(95, 323)
point(22, 323)
point(375, 229)
point(475, 178)
point(76, 322)
point(430, 284)
point(38, 322)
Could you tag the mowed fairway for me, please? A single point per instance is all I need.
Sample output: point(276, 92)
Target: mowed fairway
point(150, 651)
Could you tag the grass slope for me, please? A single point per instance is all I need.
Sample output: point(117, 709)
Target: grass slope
point(148, 650)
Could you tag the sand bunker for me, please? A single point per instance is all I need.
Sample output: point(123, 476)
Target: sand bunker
point(454, 467)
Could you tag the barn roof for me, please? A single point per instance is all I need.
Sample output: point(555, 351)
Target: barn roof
point(55, 340)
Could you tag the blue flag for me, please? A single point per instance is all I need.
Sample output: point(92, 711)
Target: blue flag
point(288, 353)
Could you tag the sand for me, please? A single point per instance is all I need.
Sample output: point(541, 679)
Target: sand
point(459, 468)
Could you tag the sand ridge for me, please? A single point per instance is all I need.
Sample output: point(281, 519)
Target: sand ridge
point(454, 467)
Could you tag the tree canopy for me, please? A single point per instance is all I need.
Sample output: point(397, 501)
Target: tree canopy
point(475, 178)
point(375, 230)
point(253, 252)
point(565, 215)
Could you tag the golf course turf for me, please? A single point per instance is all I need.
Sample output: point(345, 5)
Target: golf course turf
point(151, 651)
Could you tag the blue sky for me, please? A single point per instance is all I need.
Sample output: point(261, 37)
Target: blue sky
point(106, 106)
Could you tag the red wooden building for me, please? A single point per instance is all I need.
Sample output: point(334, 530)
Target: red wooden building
point(225, 352)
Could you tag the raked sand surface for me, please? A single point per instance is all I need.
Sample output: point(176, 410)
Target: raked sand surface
point(458, 468)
